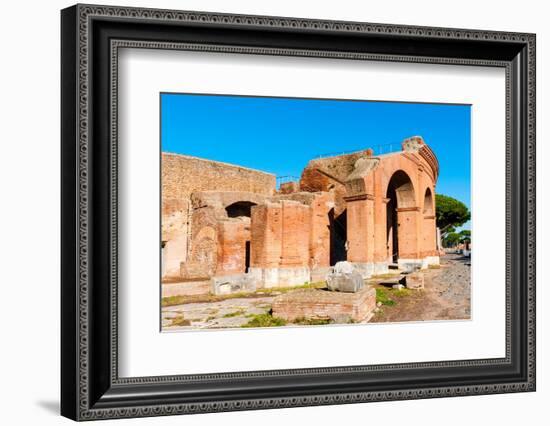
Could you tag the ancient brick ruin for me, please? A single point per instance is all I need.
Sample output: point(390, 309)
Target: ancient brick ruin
point(231, 229)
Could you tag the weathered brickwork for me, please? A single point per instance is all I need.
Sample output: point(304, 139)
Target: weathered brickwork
point(227, 221)
point(233, 236)
point(320, 304)
point(184, 177)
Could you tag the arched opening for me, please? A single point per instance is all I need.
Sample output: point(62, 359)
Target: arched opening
point(338, 236)
point(428, 209)
point(399, 195)
point(240, 208)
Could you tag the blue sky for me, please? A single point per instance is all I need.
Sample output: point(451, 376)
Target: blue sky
point(280, 135)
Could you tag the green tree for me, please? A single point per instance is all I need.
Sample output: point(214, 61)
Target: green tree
point(450, 213)
point(451, 239)
point(465, 236)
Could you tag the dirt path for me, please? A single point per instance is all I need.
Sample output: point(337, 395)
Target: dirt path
point(446, 295)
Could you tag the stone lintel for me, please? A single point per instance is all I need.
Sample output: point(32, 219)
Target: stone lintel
point(358, 197)
point(407, 209)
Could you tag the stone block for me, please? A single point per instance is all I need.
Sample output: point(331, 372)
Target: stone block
point(409, 265)
point(321, 304)
point(344, 277)
point(230, 284)
point(415, 280)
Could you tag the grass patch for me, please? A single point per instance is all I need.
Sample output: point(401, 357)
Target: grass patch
point(382, 296)
point(434, 266)
point(234, 314)
point(282, 290)
point(208, 298)
point(312, 321)
point(180, 321)
point(401, 293)
point(264, 320)
point(384, 276)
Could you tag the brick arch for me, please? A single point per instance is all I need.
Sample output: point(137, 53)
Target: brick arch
point(428, 243)
point(240, 208)
point(401, 217)
point(428, 207)
point(403, 185)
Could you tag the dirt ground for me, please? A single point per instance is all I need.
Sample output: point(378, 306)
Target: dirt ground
point(446, 295)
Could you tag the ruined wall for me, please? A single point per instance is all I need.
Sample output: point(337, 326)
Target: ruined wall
point(233, 235)
point(369, 206)
point(330, 174)
point(181, 176)
point(280, 251)
point(290, 237)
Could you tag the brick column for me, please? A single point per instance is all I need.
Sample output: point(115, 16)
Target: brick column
point(296, 219)
point(232, 237)
point(266, 233)
point(408, 232)
point(360, 232)
point(429, 243)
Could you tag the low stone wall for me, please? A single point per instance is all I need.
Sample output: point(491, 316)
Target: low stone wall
point(187, 288)
point(321, 304)
point(280, 277)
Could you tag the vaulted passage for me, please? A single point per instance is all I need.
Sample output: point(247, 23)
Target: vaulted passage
point(338, 236)
point(401, 231)
point(240, 208)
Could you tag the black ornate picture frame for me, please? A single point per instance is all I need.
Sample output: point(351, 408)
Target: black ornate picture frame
point(91, 387)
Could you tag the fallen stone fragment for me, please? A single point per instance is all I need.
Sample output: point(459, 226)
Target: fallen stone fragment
point(345, 278)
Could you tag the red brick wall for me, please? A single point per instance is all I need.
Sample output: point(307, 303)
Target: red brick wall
point(232, 237)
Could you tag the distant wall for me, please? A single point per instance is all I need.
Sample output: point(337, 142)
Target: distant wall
point(182, 176)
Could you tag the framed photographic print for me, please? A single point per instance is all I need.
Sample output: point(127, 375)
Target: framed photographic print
point(263, 212)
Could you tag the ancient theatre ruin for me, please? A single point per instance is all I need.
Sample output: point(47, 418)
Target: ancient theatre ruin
point(227, 228)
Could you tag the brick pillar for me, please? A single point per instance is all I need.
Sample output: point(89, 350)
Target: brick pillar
point(408, 232)
point(320, 231)
point(360, 232)
point(232, 237)
point(380, 230)
point(266, 234)
point(295, 220)
point(429, 243)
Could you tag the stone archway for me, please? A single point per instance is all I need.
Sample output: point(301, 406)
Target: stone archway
point(428, 208)
point(401, 212)
point(239, 209)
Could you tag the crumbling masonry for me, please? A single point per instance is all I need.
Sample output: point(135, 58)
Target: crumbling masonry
point(227, 228)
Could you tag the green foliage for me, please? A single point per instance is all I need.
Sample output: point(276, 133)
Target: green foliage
point(264, 320)
point(234, 314)
point(452, 239)
point(383, 297)
point(450, 212)
point(312, 321)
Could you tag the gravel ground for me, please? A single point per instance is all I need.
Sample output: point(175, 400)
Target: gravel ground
point(446, 295)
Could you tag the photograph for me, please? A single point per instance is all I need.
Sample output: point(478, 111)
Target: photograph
point(292, 212)
point(265, 209)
